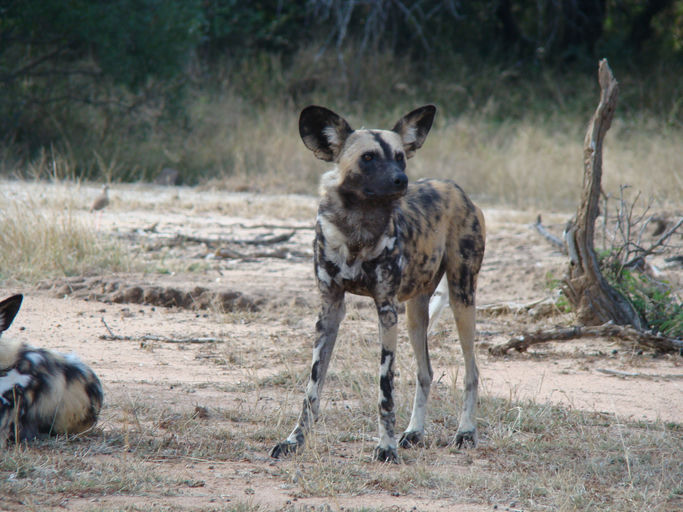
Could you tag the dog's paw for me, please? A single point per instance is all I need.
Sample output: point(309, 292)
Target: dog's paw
point(467, 439)
point(385, 454)
point(411, 439)
point(283, 449)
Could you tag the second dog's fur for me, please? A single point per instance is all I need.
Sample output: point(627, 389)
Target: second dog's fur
point(376, 235)
point(41, 391)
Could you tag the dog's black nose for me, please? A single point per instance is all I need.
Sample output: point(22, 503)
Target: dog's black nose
point(400, 180)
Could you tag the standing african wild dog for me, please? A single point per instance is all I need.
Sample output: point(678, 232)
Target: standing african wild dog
point(380, 237)
point(42, 392)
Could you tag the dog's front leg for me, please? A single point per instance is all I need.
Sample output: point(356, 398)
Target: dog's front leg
point(388, 318)
point(326, 327)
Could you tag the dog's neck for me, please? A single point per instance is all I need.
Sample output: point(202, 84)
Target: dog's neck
point(356, 229)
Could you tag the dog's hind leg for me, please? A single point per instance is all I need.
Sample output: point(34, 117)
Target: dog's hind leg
point(465, 319)
point(417, 319)
point(326, 327)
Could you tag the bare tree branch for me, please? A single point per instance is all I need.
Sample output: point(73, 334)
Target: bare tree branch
point(554, 240)
point(413, 21)
point(659, 243)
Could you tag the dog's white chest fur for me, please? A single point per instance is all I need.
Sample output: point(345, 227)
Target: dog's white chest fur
point(338, 252)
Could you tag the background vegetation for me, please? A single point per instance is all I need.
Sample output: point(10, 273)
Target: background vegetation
point(117, 90)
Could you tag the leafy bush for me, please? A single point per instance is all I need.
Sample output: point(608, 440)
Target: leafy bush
point(651, 298)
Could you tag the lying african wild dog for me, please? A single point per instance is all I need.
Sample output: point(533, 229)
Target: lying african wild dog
point(378, 236)
point(42, 392)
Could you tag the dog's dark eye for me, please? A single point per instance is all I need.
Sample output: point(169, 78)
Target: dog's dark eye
point(368, 157)
point(399, 157)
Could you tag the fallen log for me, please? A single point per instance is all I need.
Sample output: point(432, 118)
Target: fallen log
point(623, 333)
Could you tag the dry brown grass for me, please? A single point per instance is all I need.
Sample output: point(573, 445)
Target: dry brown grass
point(46, 229)
point(523, 164)
point(38, 242)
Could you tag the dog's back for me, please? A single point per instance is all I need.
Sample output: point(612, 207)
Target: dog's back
point(42, 392)
point(441, 231)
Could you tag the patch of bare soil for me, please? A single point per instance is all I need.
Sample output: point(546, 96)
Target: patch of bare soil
point(207, 276)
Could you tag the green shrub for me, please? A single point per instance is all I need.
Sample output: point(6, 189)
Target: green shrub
point(651, 298)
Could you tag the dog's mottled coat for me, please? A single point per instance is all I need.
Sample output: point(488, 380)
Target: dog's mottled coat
point(378, 236)
point(41, 391)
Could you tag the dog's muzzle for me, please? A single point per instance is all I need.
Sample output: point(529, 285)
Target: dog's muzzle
point(389, 186)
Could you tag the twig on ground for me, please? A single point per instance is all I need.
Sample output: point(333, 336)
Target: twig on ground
point(108, 329)
point(618, 373)
point(151, 337)
point(274, 226)
point(514, 308)
point(173, 239)
point(282, 253)
point(222, 241)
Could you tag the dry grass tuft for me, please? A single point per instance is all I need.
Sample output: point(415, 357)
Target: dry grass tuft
point(531, 164)
point(37, 243)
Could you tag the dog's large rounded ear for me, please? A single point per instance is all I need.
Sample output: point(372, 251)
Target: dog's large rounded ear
point(414, 127)
point(323, 132)
point(8, 310)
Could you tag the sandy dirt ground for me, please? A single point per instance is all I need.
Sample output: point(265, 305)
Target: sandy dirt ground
point(257, 296)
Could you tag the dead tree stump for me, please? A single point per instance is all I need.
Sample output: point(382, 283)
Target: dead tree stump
point(594, 300)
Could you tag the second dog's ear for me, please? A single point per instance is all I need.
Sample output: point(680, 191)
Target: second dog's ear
point(8, 310)
point(414, 127)
point(323, 132)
